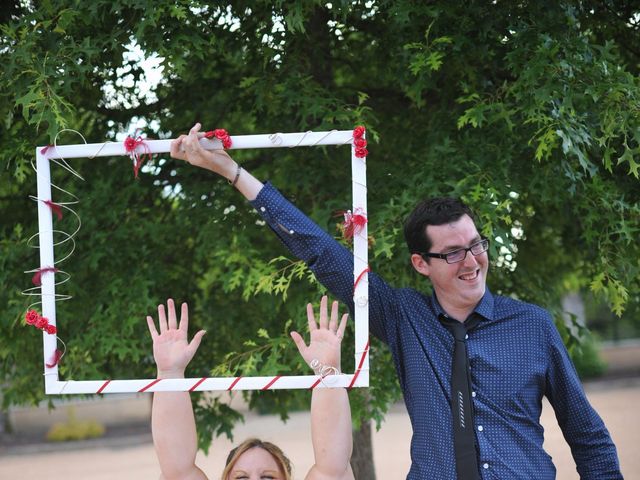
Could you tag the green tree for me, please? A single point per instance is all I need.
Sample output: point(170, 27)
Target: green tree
point(528, 110)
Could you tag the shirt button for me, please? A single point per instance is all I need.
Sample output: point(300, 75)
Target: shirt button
point(262, 209)
point(473, 394)
point(466, 336)
point(485, 465)
point(480, 428)
point(291, 232)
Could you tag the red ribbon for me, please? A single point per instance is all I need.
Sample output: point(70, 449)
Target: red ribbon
point(37, 278)
point(353, 222)
point(357, 372)
point(148, 386)
point(55, 208)
point(268, 385)
point(197, 384)
point(233, 384)
point(57, 355)
point(130, 145)
point(104, 385)
point(355, 284)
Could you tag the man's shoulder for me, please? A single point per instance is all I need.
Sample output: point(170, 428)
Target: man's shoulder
point(504, 305)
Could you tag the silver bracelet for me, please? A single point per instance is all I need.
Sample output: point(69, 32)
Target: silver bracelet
point(323, 370)
point(235, 180)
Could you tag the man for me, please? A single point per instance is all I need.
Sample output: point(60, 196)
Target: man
point(473, 366)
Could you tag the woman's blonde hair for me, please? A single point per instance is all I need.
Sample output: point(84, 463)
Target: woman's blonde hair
point(278, 455)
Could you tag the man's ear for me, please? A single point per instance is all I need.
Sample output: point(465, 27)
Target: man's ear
point(420, 264)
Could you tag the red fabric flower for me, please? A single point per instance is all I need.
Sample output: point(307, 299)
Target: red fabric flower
point(353, 222)
point(130, 145)
point(220, 133)
point(51, 329)
point(41, 323)
point(31, 317)
point(361, 152)
point(359, 142)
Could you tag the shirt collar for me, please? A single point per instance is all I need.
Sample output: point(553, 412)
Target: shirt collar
point(484, 308)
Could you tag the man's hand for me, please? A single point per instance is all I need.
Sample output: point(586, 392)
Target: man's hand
point(188, 148)
point(326, 336)
point(171, 350)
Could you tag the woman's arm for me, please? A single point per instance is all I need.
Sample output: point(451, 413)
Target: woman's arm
point(173, 426)
point(331, 430)
point(188, 148)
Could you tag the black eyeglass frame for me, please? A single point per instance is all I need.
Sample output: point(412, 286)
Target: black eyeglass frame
point(445, 256)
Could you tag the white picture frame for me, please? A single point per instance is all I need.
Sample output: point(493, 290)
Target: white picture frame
point(56, 386)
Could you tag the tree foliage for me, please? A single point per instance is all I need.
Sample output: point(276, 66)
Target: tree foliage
point(528, 110)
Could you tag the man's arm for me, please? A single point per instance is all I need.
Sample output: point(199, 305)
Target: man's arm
point(331, 429)
point(330, 261)
point(173, 426)
point(583, 429)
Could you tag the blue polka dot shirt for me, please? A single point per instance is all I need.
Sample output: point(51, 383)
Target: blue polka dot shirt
point(516, 357)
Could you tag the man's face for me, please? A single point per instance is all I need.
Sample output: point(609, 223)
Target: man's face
point(459, 286)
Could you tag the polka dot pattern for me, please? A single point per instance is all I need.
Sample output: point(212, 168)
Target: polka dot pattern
point(516, 356)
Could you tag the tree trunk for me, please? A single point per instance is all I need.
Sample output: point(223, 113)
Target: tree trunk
point(362, 458)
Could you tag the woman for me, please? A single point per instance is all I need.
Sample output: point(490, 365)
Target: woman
point(173, 424)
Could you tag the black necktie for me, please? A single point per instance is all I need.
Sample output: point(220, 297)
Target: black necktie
point(464, 439)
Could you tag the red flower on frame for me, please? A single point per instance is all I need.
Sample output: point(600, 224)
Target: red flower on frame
point(41, 323)
point(51, 329)
point(220, 133)
point(359, 142)
point(353, 222)
point(358, 132)
point(361, 152)
point(31, 317)
point(130, 143)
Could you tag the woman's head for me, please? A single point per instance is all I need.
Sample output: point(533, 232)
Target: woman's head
point(261, 459)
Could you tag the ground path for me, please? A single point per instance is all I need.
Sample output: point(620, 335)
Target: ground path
point(132, 457)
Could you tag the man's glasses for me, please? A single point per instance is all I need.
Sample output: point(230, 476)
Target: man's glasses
point(460, 254)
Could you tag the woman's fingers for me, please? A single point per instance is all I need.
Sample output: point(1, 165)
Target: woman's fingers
point(333, 322)
point(311, 318)
point(195, 343)
point(299, 341)
point(343, 326)
point(173, 323)
point(323, 313)
point(152, 327)
point(162, 319)
point(184, 318)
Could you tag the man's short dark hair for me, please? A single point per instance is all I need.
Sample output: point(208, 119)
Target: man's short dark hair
point(433, 211)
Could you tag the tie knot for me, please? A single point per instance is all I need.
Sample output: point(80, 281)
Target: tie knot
point(459, 330)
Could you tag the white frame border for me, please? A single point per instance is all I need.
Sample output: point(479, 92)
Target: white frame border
point(360, 377)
